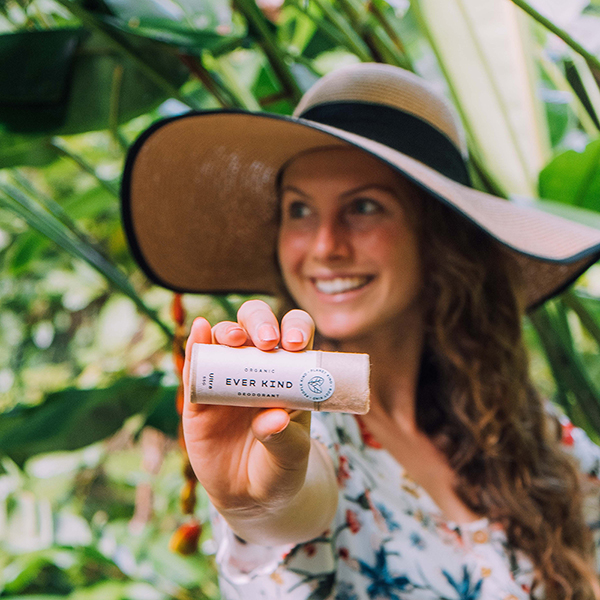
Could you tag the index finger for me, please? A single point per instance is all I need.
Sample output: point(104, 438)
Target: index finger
point(257, 318)
point(199, 334)
point(297, 330)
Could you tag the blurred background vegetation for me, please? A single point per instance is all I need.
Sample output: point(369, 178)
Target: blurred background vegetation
point(93, 482)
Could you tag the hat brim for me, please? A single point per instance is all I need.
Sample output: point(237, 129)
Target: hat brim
point(200, 209)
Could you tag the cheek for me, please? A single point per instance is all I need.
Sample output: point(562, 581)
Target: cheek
point(291, 248)
point(383, 246)
point(395, 252)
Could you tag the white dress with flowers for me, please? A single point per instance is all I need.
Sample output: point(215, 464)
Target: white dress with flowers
point(389, 540)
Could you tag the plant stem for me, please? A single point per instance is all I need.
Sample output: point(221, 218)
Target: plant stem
point(244, 95)
point(113, 112)
point(63, 149)
point(70, 240)
point(567, 367)
point(572, 300)
point(561, 33)
point(230, 46)
point(561, 83)
point(354, 42)
point(375, 9)
point(589, 84)
point(490, 184)
point(224, 97)
point(400, 50)
point(301, 60)
point(53, 207)
point(358, 25)
point(259, 26)
point(333, 33)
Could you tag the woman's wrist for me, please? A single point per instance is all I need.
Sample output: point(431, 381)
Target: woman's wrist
point(294, 520)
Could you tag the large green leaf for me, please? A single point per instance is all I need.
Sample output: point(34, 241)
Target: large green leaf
point(36, 73)
point(484, 51)
point(100, 74)
point(164, 416)
point(57, 84)
point(188, 24)
point(56, 573)
point(74, 418)
point(25, 150)
point(574, 178)
point(37, 570)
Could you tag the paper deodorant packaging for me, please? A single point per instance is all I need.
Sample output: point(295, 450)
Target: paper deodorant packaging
point(311, 380)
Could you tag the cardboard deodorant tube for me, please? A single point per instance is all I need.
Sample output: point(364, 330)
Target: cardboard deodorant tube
point(309, 380)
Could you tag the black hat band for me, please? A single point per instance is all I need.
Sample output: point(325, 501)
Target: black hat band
point(398, 130)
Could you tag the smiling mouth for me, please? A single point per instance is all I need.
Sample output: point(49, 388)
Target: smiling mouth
point(339, 285)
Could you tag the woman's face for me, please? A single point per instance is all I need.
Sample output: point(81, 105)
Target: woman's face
point(347, 249)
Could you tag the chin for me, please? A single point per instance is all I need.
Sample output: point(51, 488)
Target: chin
point(340, 330)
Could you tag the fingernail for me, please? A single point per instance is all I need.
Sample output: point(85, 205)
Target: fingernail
point(295, 336)
point(267, 333)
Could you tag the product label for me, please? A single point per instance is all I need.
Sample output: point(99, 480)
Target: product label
point(223, 372)
point(317, 384)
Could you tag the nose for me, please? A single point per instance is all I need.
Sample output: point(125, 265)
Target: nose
point(331, 241)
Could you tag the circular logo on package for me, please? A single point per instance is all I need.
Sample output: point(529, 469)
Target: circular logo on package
point(317, 384)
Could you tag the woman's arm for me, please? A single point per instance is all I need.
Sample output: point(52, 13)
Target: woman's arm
point(303, 518)
point(260, 468)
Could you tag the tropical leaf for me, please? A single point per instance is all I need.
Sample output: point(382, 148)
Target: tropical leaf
point(483, 48)
point(574, 18)
point(74, 242)
point(74, 418)
point(187, 24)
point(574, 178)
point(66, 82)
point(25, 150)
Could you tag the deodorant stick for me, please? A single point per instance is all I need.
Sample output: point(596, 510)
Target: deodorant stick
point(310, 380)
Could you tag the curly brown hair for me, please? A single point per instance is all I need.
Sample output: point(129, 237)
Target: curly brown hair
point(477, 403)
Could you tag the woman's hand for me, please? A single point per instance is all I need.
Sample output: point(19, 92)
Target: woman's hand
point(249, 460)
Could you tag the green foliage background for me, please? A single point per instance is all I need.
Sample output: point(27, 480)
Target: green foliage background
point(90, 470)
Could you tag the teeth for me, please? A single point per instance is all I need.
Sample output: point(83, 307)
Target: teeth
point(340, 284)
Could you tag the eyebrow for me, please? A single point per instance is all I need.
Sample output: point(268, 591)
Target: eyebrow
point(291, 188)
point(361, 188)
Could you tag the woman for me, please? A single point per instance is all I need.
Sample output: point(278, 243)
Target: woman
point(453, 485)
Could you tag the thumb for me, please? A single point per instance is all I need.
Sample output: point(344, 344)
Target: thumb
point(285, 437)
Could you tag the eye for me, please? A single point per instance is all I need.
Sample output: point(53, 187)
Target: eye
point(365, 206)
point(298, 210)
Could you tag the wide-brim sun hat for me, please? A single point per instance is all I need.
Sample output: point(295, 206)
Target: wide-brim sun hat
point(199, 199)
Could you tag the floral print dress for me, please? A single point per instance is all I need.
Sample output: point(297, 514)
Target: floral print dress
point(389, 540)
